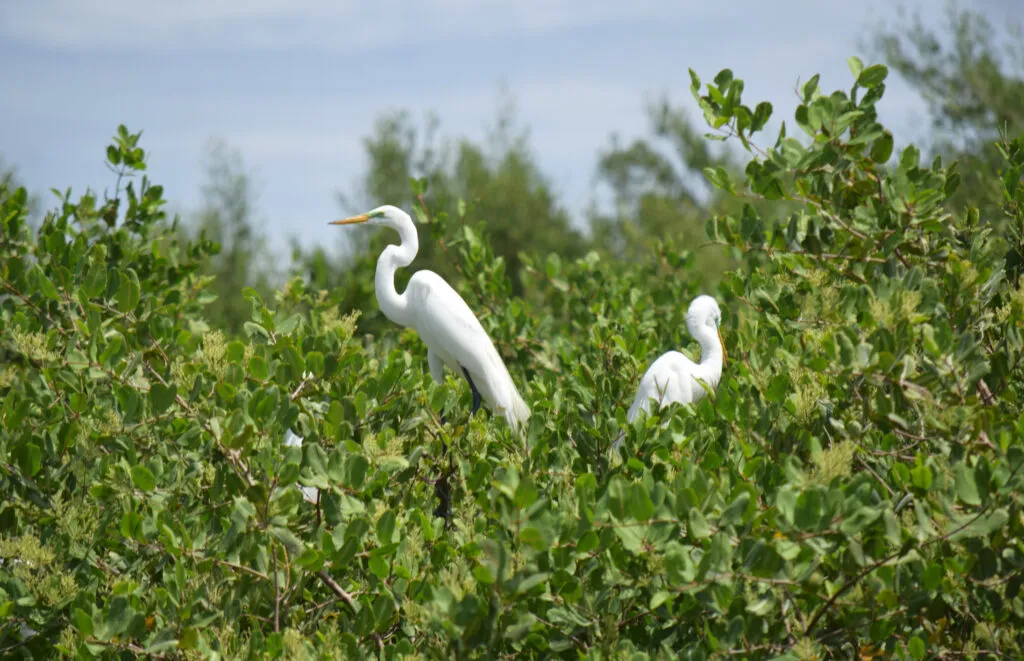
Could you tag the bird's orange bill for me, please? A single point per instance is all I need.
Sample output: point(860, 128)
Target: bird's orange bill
point(723, 345)
point(361, 218)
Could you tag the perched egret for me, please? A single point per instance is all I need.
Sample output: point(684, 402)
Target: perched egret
point(452, 333)
point(674, 378)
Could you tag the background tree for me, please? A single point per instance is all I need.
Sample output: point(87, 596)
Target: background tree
point(10, 182)
point(853, 488)
point(499, 181)
point(659, 192)
point(971, 74)
point(228, 218)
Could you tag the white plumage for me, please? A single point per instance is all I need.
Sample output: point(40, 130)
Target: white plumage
point(452, 333)
point(674, 378)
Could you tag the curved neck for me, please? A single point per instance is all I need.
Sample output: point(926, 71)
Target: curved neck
point(392, 304)
point(710, 354)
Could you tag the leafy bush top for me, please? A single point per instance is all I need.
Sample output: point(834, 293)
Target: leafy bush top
point(851, 490)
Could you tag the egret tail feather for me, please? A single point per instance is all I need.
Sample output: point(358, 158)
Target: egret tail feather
point(518, 413)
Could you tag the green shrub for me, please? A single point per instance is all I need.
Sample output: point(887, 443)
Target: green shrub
point(851, 491)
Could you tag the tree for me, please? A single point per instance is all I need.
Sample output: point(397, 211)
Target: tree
point(660, 192)
point(10, 182)
point(971, 74)
point(852, 488)
point(228, 218)
point(499, 185)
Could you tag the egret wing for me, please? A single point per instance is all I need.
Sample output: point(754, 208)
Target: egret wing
point(667, 380)
point(448, 326)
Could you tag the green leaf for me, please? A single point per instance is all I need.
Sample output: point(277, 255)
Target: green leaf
point(733, 514)
point(932, 576)
point(258, 368)
point(977, 525)
point(881, 149)
point(893, 530)
point(763, 605)
point(355, 471)
point(532, 536)
point(873, 76)
point(719, 178)
point(531, 581)
point(95, 281)
point(143, 478)
point(77, 360)
point(131, 525)
point(778, 388)
point(311, 559)
point(917, 648)
point(525, 494)
point(810, 88)
point(379, 566)
point(483, 574)
point(315, 363)
point(922, 477)
point(966, 485)
point(699, 528)
point(253, 330)
point(861, 519)
point(632, 537)
point(386, 527)
point(588, 542)
point(292, 543)
point(287, 326)
point(44, 283)
point(640, 505)
point(128, 290)
point(618, 497)
point(235, 352)
point(83, 623)
point(30, 458)
point(161, 397)
point(856, 66)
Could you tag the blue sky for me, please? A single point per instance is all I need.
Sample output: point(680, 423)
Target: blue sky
point(295, 86)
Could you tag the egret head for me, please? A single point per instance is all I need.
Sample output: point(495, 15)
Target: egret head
point(373, 217)
point(704, 315)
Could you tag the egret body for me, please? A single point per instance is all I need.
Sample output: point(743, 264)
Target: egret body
point(674, 378)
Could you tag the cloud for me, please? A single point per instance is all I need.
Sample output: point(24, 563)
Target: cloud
point(316, 24)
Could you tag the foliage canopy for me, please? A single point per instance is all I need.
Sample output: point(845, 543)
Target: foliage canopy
point(851, 490)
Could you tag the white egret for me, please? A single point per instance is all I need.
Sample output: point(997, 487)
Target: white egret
point(674, 378)
point(452, 333)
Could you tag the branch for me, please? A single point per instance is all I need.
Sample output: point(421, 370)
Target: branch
point(277, 594)
point(846, 586)
point(307, 378)
point(337, 589)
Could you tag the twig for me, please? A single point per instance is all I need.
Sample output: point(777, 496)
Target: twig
point(877, 476)
point(337, 589)
point(307, 378)
point(277, 594)
point(986, 395)
point(846, 586)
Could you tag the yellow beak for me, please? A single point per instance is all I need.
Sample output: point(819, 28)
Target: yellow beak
point(724, 354)
point(361, 218)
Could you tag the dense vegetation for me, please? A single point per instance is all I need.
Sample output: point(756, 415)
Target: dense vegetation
point(852, 489)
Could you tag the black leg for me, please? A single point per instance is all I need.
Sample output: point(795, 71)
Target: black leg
point(476, 393)
point(441, 488)
point(444, 497)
